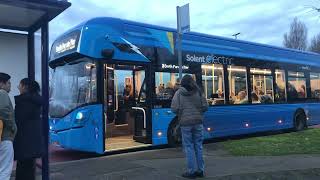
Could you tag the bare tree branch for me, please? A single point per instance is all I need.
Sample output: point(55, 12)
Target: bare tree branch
point(316, 9)
point(297, 37)
point(313, 9)
point(315, 44)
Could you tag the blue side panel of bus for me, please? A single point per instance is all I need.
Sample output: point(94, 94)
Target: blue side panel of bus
point(108, 33)
point(236, 120)
point(98, 36)
point(161, 119)
point(83, 135)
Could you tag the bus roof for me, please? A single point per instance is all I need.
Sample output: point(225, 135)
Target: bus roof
point(141, 34)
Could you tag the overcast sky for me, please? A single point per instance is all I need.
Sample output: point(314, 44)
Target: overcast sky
point(257, 20)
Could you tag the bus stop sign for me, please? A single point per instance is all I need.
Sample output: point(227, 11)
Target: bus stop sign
point(183, 19)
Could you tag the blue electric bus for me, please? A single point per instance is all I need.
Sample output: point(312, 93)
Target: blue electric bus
point(112, 83)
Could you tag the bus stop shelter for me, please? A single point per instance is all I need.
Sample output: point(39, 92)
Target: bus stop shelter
point(24, 47)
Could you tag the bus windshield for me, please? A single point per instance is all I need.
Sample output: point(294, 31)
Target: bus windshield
point(71, 86)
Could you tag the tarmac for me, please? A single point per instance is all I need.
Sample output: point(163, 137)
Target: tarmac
point(169, 163)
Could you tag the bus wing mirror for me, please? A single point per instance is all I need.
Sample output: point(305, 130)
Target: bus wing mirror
point(107, 53)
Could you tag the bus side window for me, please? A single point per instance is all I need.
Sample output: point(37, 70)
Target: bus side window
point(315, 85)
point(296, 86)
point(238, 85)
point(212, 81)
point(280, 89)
point(261, 86)
point(165, 85)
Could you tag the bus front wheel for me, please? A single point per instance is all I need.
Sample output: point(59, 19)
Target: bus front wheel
point(174, 134)
point(300, 121)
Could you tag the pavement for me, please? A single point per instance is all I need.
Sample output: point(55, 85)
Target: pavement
point(169, 163)
point(58, 154)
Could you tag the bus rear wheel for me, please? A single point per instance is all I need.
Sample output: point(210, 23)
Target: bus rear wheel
point(174, 134)
point(300, 121)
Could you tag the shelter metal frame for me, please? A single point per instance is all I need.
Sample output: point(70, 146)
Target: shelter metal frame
point(27, 17)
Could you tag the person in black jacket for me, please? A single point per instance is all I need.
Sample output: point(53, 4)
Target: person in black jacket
point(28, 144)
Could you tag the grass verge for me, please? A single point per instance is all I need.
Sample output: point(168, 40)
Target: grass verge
point(304, 142)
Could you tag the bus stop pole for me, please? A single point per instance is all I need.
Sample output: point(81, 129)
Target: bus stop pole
point(180, 55)
point(45, 96)
point(183, 25)
point(179, 48)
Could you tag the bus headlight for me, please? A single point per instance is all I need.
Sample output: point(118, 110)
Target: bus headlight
point(79, 116)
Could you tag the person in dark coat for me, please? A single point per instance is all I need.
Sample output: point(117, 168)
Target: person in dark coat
point(28, 144)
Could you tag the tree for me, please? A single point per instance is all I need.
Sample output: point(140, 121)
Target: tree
point(297, 37)
point(315, 44)
point(317, 9)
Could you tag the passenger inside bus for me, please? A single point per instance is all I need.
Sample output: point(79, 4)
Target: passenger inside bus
point(176, 85)
point(292, 92)
point(220, 93)
point(255, 98)
point(160, 89)
point(128, 96)
point(169, 91)
point(280, 94)
point(166, 84)
point(216, 98)
point(212, 98)
point(242, 98)
point(266, 99)
point(233, 98)
point(302, 91)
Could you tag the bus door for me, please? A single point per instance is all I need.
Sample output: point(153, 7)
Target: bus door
point(125, 106)
point(109, 97)
point(119, 99)
point(141, 110)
